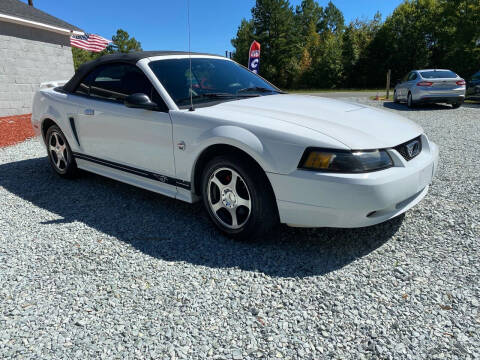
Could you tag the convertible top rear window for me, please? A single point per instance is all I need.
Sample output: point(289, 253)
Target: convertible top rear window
point(438, 74)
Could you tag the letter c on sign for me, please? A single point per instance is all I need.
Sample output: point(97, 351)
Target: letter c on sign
point(254, 65)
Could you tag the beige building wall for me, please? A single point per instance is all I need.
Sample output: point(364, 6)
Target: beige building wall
point(29, 57)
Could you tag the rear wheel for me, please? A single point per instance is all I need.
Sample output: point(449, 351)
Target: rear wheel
point(238, 198)
point(457, 105)
point(60, 154)
point(410, 102)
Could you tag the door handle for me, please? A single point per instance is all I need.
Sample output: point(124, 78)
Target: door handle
point(89, 112)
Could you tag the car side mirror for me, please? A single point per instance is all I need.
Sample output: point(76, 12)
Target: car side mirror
point(139, 101)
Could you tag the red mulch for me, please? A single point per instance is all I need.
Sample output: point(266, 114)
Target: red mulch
point(15, 129)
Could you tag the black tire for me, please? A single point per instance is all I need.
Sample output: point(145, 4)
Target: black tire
point(263, 214)
point(410, 102)
point(457, 105)
point(395, 99)
point(64, 164)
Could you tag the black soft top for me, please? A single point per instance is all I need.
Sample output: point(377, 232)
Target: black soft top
point(129, 58)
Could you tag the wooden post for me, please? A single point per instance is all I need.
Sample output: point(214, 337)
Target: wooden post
point(389, 73)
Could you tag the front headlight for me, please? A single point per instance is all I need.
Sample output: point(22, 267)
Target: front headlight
point(344, 161)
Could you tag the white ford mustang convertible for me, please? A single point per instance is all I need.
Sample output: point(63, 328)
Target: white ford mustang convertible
point(203, 127)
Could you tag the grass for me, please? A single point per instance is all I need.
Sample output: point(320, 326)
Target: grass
point(382, 98)
point(472, 102)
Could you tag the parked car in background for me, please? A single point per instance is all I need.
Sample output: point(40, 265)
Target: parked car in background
point(431, 86)
point(473, 87)
point(255, 155)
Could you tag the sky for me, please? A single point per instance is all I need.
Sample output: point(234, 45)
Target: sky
point(162, 24)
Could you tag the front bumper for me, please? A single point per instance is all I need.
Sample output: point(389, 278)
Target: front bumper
point(316, 199)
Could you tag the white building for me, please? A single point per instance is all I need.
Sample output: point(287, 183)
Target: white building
point(34, 48)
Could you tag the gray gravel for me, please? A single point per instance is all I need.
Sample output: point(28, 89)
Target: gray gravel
point(92, 268)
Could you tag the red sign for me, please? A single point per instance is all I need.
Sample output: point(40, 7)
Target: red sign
point(254, 57)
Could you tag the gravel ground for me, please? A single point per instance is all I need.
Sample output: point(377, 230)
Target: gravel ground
point(92, 268)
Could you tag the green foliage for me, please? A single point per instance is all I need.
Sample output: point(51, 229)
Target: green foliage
point(273, 21)
point(242, 42)
point(311, 46)
point(121, 42)
point(332, 20)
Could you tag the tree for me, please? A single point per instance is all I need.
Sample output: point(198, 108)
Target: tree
point(245, 36)
point(121, 42)
point(356, 38)
point(307, 17)
point(459, 36)
point(307, 14)
point(81, 56)
point(273, 22)
point(311, 46)
point(332, 20)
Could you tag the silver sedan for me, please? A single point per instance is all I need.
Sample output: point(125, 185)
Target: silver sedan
point(431, 86)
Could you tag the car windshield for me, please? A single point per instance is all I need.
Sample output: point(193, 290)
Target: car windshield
point(212, 80)
point(438, 74)
point(476, 76)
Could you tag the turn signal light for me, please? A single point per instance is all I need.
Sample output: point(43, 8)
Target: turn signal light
point(318, 160)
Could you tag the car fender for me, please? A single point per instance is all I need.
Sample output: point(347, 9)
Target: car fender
point(56, 107)
point(237, 137)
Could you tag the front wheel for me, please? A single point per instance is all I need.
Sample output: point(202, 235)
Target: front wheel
point(238, 198)
point(395, 98)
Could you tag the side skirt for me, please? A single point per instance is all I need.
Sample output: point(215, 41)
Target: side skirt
point(160, 184)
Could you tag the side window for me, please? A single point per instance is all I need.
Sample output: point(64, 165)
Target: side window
point(115, 82)
point(134, 81)
point(412, 76)
point(107, 83)
point(84, 87)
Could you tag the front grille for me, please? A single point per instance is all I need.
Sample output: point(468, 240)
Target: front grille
point(403, 148)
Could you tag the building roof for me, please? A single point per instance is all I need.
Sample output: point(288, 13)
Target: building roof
point(22, 10)
point(131, 58)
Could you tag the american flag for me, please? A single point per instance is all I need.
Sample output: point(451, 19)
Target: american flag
point(90, 42)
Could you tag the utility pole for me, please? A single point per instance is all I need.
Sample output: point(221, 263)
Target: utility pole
point(389, 74)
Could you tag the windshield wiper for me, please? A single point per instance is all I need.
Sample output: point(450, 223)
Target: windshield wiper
point(218, 96)
point(224, 95)
point(259, 89)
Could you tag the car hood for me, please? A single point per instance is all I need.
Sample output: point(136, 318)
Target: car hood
point(355, 125)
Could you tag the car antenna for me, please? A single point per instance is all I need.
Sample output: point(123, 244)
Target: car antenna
point(190, 57)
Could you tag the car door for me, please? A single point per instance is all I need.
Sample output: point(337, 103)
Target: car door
point(112, 133)
point(411, 81)
point(401, 88)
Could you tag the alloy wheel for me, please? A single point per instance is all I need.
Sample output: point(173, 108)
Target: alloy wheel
point(229, 198)
point(58, 151)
